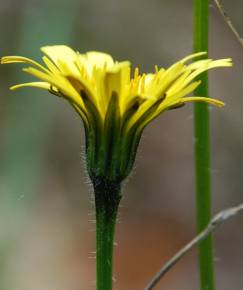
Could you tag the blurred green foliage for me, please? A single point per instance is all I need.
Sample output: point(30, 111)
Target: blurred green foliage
point(29, 114)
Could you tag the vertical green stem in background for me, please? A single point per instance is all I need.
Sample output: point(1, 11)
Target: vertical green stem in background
point(107, 200)
point(202, 151)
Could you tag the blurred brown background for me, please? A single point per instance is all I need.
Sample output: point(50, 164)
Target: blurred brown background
point(46, 231)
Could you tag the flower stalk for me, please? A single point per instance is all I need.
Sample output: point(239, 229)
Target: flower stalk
point(202, 151)
point(107, 198)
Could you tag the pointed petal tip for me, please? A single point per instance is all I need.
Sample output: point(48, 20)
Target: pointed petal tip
point(14, 87)
point(210, 101)
point(40, 85)
point(217, 103)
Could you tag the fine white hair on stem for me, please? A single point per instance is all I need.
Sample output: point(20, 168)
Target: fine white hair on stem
point(216, 221)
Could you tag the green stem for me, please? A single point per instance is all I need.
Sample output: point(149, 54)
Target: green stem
point(107, 201)
point(202, 151)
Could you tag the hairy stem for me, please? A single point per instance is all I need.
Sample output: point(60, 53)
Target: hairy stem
point(107, 199)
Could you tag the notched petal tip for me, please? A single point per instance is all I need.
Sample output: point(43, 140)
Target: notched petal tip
point(119, 66)
point(229, 61)
point(226, 62)
point(3, 60)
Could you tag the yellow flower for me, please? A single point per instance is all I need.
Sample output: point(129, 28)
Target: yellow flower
point(115, 107)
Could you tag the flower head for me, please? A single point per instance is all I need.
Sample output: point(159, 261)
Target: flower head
point(114, 104)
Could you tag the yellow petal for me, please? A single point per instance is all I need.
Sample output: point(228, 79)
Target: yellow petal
point(63, 57)
point(185, 91)
point(60, 83)
point(99, 59)
point(203, 99)
point(59, 52)
point(42, 85)
point(212, 64)
point(194, 55)
point(168, 77)
point(51, 66)
point(21, 59)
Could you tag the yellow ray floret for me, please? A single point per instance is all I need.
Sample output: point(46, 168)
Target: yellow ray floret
point(90, 79)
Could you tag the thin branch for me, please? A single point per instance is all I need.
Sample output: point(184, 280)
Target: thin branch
point(228, 21)
point(216, 221)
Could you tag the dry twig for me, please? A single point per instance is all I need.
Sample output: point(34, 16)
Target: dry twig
point(216, 221)
point(228, 21)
